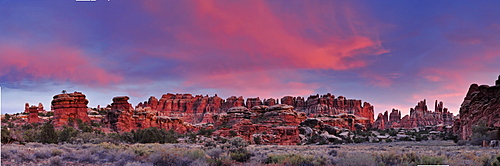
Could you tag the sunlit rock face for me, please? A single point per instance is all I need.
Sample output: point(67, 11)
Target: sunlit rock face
point(68, 107)
point(194, 109)
point(481, 105)
point(320, 105)
point(122, 117)
point(276, 124)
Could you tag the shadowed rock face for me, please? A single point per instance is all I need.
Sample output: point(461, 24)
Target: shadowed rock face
point(68, 107)
point(481, 105)
point(419, 117)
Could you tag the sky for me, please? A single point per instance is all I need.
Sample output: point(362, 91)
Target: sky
point(389, 53)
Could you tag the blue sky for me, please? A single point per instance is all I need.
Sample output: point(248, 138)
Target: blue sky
point(389, 53)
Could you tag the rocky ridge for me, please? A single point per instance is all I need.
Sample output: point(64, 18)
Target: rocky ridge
point(419, 117)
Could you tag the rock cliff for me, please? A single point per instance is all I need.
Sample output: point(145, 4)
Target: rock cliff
point(122, 117)
point(481, 105)
point(194, 109)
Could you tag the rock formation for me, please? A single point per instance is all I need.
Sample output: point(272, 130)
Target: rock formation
point(419, 117)
point(481, 105)
point(196, 109)
point(317, 105)
point(268, 119)
point(33, 114)
point(272, 125)
point(68, 107)
point(122, 117)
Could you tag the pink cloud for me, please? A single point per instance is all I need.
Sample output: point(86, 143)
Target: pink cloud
point(251, 31)
point(54, 62)
point(264, 84)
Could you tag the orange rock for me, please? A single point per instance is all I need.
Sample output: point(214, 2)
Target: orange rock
point(69, 106)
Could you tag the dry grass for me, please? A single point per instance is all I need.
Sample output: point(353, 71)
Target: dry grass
point(395, 153)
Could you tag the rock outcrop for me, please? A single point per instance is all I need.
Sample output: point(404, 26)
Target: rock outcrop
point(196, 109)
point(271, 125)
point(122, 117)
point(69, 107)
point(33, 114)
point(318, 105)
point(481, 105)
point(419, 117)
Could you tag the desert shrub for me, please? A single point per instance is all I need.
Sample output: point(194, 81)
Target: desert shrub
point(479, 133)
point(56, 161)
point(333, 153)
point(428, 160)
point(240, 155)
point(6, 138)
point(210, 143)
point(43, 153)
point(48, 134)
point(205, 132)
point(356, 159)
point(360, 139)
point(155, 135)
point(393, 132)
point(127, 137)
point(31, 135)
point(257, 140)
point(294, 159)
point(87, 137)
point(85, 156)
point(238, 142)
point(388, 158)
point(462, 142)
point(8, 152)
point(214, 153)
point(67, 133)
point(175, 157)
point(232, 133)
point(192, 137)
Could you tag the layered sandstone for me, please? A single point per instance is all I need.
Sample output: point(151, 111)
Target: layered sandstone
point(198, 109)
point(419, 117)
point(481, 105)
point(33, 114)
point(317, 105)
point(277, 124)
point(122, 117)
point(69, 107)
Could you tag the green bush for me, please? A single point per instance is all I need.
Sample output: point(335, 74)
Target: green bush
point(205, 132)
point(67, 133)
point(238, 142)
point(240, 155)
point(430, 160)
point(48, 134)
point(479, 133)
point(155, 135)
point(294, 159)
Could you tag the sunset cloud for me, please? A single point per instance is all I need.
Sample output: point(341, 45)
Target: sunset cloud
point(391, 54)
point(52, 62)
